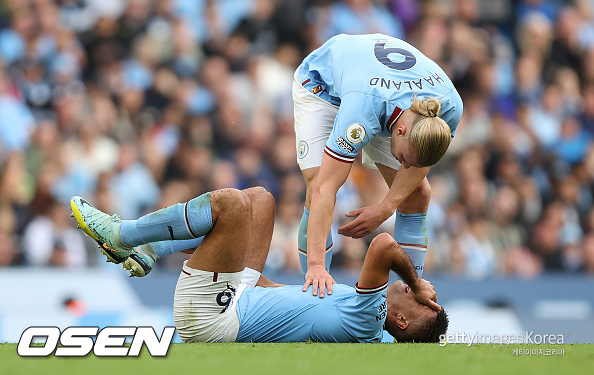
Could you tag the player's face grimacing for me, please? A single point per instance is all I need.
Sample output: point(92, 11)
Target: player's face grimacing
point(402, 150)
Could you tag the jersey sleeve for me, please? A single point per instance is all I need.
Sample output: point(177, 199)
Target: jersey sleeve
point(453, 108)
point(370, 291)
point(356, 124)
point(367, 313)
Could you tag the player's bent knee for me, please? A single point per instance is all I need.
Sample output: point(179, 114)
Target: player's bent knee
point(260, 196)
point(268, 199)
point(258, 193)
point(241, 201)
point(231, 201)
point(255, 191)
point(381, 241)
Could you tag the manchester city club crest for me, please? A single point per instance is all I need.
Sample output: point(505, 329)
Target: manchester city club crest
point(303, 149)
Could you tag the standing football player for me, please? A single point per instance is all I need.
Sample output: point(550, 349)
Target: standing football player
point(381, 95)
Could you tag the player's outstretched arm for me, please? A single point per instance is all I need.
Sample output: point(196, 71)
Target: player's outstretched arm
point(333, 173)
point(384, 254)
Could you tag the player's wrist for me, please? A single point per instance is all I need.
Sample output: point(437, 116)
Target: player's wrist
point(316, 264)
point(415, 284)
point(387, 208)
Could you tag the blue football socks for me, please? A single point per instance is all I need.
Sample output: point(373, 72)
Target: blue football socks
point(410, 231)
point(164, 248)
point(182, 221)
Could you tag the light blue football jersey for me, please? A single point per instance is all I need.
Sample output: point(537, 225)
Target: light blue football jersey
point(288, 314)
point(373, 78)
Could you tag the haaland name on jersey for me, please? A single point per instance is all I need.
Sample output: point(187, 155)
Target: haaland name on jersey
point(432, 79)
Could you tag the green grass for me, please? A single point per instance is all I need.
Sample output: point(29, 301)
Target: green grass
point(312, 358)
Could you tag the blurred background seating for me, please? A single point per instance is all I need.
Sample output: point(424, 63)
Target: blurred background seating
point(139, 104)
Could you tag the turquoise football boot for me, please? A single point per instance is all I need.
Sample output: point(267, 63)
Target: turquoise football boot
point(102, 228)
point(141, 260)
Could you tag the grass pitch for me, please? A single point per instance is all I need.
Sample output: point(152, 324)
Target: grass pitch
point(313, 358)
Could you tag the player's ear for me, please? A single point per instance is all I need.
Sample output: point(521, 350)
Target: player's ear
point(401, 321)
point(401, 130)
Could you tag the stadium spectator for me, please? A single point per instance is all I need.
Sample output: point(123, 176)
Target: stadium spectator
point(150, 96)
point(50, 240)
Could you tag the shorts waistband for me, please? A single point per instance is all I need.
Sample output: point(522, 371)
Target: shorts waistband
point(215, 275)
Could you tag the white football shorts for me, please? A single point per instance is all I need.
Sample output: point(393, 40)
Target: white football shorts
point(314, 120)
point(204, 305)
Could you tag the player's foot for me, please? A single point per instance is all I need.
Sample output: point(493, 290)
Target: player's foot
point(102, 228)
point(141, 260)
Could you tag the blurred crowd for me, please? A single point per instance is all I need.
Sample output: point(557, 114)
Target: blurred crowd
point(140, 104)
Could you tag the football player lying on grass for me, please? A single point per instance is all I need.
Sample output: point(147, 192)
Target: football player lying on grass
point(221, 295)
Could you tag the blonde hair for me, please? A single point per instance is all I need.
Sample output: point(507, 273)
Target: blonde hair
point(429, 134)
